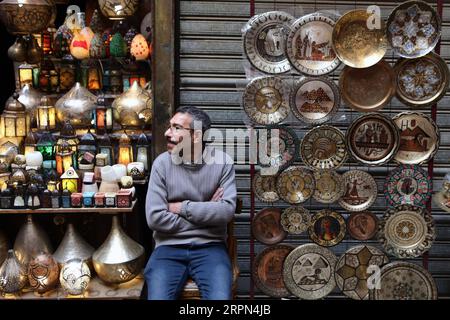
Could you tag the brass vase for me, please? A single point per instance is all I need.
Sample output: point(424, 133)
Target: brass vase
point(3, 247)
point(43, 273)
point(75, 276)
point(18, 51)
point(31, 241)
point(119, 259)
point(34, 52)
point(13, 275)
point(134, 107)
point(73, 246)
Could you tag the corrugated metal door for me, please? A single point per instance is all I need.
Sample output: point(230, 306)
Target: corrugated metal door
point(212, 76)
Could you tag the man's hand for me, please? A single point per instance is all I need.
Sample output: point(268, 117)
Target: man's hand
point(217, 195)
point(175, 207)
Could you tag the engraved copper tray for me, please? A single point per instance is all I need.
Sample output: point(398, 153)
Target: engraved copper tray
point(327, 228)
point(266, 227)
point(362, 225)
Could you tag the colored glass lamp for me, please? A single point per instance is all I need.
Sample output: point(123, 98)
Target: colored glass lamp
point(46, 115)
point(64, 158)
point(46, 146)
point(69, 180)
point(125, 150)
point(105, 147)
point(15, 122)
point(143, 150)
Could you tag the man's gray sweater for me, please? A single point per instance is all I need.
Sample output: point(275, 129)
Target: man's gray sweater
point(200, 220)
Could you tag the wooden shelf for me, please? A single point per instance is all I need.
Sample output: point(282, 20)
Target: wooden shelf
point(97, 290)
point(70, 210)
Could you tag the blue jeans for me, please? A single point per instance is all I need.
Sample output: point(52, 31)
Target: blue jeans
point(208, 264)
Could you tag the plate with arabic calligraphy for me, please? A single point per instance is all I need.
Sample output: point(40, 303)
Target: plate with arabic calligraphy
point(329, 186)
point(309, 47)
point(308, 271)
point(362, 225)
point(406, 231)
point(314, 100)
point(419, 138)
point(266, 226)
point(295, 219)
point(266, 100)
point(413, 29)
point(324, 147)
point(361, 191)
point(401, 280)
point(408, 184)
point(268, 270)
point(264, 187)
point(423, 81)
point(264, 41)
point(368, 89)
point(352, 270)
point(373, 139)
point(355, 44)
point(327, 228)
point(295, 184)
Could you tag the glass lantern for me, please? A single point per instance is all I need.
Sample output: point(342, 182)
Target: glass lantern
point(46, 115)
point(143, 150)
point(28, 74)
point(125, 150)
point(64, 158)
point(15, 122)
point(105, 147)
point(67, 73)
point(103, 116)
point(48, 77)
point(46, 146)
point(68, 135)
point(91, 75)
point(87, 144)
point(30, 142)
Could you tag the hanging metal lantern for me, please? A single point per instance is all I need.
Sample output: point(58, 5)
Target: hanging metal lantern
point(46, 115)
point(15, 122)
point(118, 9)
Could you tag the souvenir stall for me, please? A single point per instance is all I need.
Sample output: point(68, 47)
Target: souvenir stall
point(355, 94)
point(75, 138)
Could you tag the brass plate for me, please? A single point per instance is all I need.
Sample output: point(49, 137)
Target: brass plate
point(419, 138)
point(368, 89)
point(360, 191)
point(295, 184)
point(324, 148)
point(329, 186)
point(287, 142)
point(423, 81)
point(314, 100)
point(406, 231)
point(413, 29)
point(266, 227)
point(405, 281)
point(295, 219)
point(355, 44)
point(373, 139)
point(264, 187)
point(268, 271)
point(266, 100)
point(309, 47)
point(351, 270)
point(327, 228)
point(408, 184)
point(264, 41)
point(362, 225)
point(308, 271)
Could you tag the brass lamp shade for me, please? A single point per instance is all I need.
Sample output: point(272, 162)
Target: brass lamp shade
point(73, 246)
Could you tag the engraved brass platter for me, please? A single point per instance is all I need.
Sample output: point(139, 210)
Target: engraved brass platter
point(264, 187)
point(360, 191)
point(362, 225)
point(329, 186)
point(327, 228)
point(295, 219)
point(295, 184)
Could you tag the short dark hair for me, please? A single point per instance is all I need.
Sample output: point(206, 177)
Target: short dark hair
point(197, 115)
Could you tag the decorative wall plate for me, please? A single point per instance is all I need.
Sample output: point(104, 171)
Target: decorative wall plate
point(360, 191)
point(287, 142)
point(329, 186)
point(351, 270)
point(355, 44)
point(373, 139)
point(295, 184)
point(309, 47)
point(268, 270)
point(308, 271)
point(264, 41)
point(368, 89)
point(266, 100)
point(295, 219)
point(314, 100)
point(264, 187)
point(406, 231)
point(362, 225)
point(323, 148)
point(419, 138)
point(266, 227)
point(423, 81)
point(405, 281)
point(408, 184)
point(327, 228)
point(413, 29)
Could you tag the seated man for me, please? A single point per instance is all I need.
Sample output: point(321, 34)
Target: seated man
point(191, 198)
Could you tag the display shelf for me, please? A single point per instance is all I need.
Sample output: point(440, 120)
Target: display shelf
point(97, 290)
point(114, 210)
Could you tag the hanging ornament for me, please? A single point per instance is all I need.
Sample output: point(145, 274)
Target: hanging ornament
point(118, 46)
point(79, 48)
point(97, 48)
point(97, 23)
point(129, 36)
point(140, 48)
